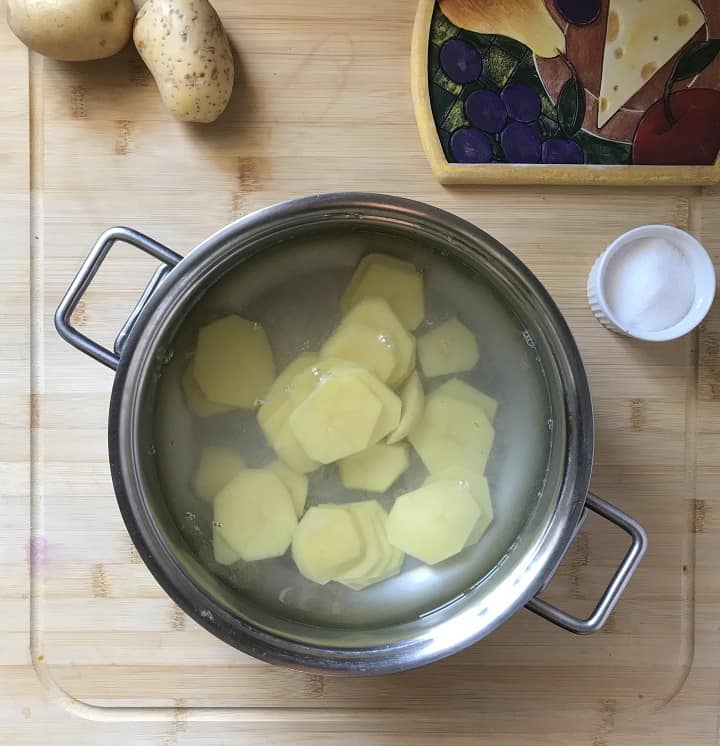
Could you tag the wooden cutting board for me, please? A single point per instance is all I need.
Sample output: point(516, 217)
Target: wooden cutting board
point(93, 651)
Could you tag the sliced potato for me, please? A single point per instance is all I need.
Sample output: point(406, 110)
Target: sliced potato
point(327, 543)
point(296, 389)
point(362, 344)
point(224, 554)
point(393, 567)
point(389, 417)
point(448, 348)
point(364, 514)
point(255, 515)
point(465, 392)
point(296, 483)
point(306, 382)
point(351, 289)
point(412, 399)
point(380, 560)
point(434, 522)
point(378, 315)
point(272, 420)
point(397, 281)
point(288, 448)
point(233, 362)
point(196, 401)
point(387, 552)
point(337, 419)
point(480, 491)
point(279, 392)
point(215, 468)
point(395, 563)
point(452, 433)
point(283, 382)
point(375, 469)
point(390, 558)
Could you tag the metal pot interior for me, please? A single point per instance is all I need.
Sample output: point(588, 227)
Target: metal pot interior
point(289, 276)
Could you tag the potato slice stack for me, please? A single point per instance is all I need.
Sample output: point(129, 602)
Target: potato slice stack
point(357, 402)
point(347, 543)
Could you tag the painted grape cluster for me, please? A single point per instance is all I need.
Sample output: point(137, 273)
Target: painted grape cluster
point(508, 119)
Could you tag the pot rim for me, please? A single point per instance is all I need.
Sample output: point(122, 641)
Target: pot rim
point(453, 634)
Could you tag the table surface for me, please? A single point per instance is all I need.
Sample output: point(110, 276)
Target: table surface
point(92, 651)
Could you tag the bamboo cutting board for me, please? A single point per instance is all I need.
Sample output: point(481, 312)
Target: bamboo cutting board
point(322, 104)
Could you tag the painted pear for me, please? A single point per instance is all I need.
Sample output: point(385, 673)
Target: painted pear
point(527, 21)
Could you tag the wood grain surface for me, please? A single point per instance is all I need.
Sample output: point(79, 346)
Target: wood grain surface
point(91, 649)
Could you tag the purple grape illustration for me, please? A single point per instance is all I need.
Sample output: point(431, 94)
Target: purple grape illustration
point(579, 12)
point(520, 143)
point(470, 145)
point(522, 102)
point(560, 150)
point(460, 61)
point(486, 111)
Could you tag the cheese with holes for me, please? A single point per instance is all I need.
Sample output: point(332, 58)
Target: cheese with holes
point(641, 36)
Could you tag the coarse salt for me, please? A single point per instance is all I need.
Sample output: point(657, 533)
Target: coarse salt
point(649, 285)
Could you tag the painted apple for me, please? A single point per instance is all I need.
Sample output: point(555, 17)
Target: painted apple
point(693, 139)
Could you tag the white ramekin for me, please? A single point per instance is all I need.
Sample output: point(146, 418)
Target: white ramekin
point(697, 257)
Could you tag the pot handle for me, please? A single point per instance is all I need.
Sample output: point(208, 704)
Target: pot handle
point(619, 580)
point(84, 277)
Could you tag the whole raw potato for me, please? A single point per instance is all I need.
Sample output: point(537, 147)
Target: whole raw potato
point(184, 45)
point(72, 30)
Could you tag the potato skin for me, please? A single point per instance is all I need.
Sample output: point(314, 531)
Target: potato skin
point(72, 30)
point(184, 45)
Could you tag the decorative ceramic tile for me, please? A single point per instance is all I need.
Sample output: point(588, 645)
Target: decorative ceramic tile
point(554, 89)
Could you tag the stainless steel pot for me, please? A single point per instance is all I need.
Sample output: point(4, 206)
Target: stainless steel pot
point(529, 563)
